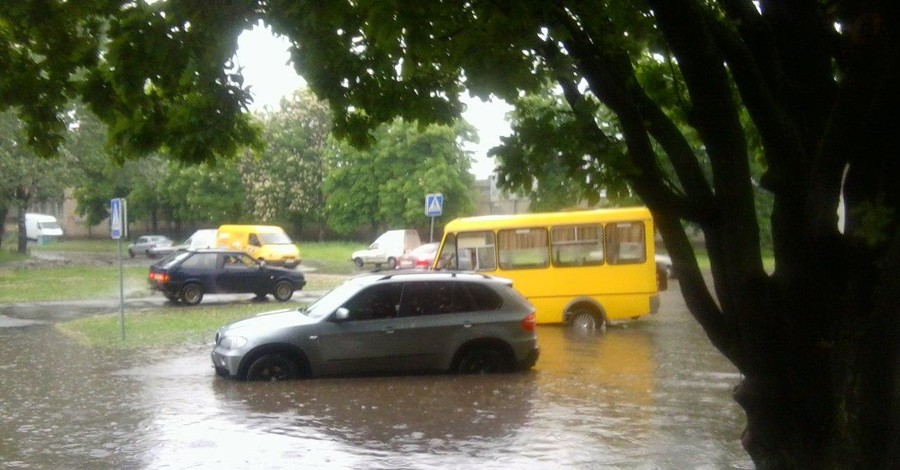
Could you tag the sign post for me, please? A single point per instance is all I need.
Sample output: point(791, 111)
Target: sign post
point(434, 207)
point(118, 229)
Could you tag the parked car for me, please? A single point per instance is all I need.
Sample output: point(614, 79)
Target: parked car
point(188, 275)
point(387, 248)
point(664, 265)
point(387, 322)
point(143, 244)
point(267, 243)
point(421, 257)
point(204, 238)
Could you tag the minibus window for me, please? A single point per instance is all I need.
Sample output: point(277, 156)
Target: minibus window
point(577, 245)
point(475, 251)
point(625, 243)
point(523, 248)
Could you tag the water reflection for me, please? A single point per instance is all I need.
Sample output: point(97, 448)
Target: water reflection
point(649, 394)
point(61, 406)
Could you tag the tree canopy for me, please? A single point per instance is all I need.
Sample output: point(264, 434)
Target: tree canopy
point(809, 87)
point(384, 185)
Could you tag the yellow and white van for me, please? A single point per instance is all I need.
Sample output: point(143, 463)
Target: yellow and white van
point(267, 243)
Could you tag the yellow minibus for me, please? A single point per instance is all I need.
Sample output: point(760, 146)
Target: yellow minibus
point(582, 268)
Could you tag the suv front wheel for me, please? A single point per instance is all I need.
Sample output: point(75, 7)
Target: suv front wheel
point(272, 367)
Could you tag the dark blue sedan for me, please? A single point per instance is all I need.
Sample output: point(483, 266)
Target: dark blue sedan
point(186, 276)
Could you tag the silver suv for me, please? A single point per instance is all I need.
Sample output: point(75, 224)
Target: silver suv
point(387, 323)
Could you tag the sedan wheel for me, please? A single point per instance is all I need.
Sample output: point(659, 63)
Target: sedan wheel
point(482, 360)
point(359, 262)
point(192, 294)
point(272, 367)
point(283, 291)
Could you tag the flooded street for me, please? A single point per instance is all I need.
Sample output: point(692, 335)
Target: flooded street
point(648, 394)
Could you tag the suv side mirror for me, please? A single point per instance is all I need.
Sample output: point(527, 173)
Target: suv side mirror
point(341, 314)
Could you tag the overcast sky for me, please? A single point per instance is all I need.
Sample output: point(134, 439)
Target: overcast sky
point(264, 60)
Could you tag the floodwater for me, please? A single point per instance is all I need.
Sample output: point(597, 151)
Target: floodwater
point(648, 394)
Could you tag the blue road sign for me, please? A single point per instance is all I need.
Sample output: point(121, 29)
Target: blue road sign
point(434, 204)
point(115, 218)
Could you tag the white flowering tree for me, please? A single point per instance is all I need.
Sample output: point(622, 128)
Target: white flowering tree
point(283, 180)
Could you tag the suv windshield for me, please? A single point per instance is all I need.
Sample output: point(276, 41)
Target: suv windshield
point(332, 300)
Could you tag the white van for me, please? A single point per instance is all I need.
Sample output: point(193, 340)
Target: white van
point(205, 238)
point(387, 248)
point(42, 228)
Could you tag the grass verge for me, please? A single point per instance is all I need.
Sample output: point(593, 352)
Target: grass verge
point(158, 328)
point(69, 283)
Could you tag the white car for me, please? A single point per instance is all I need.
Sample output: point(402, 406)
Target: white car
point(387, 249)
point(664, 264)
point(143, 244)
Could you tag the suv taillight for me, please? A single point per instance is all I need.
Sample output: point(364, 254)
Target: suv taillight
point(529, 322)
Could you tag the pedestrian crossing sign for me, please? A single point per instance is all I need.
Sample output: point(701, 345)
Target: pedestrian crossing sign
point(117, 219)
point(434, 204)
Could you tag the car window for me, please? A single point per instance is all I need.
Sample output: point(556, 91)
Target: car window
point(174, 259)
point(237, 261)
point(483, 297)
point(330, 302)
point(375, 302)
point(275, 238)
point(435, 298)
point(205, 261)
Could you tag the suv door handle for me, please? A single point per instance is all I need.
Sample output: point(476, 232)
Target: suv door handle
point(467, 325)
point(389, 330)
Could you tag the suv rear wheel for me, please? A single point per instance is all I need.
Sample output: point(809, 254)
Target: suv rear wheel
point(482, 360)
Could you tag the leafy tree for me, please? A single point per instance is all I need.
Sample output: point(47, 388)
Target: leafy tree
point(25, 179)
point(284, 181)
point(146, 193)
point(543, 158)
point(98, 177)
point(210, 194)
point(817, 341)
point(384, 186)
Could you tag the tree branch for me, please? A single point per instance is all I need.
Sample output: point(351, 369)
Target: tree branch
point(612, 80)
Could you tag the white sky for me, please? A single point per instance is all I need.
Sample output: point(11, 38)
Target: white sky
point(264, 59)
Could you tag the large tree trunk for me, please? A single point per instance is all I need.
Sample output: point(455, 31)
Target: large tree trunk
point(818, 340)
point(4, 211)
point(20, 223)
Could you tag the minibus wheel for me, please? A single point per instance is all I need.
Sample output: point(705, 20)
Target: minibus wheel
point(585, 320)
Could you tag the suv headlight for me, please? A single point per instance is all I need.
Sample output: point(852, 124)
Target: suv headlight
point(232, 342)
